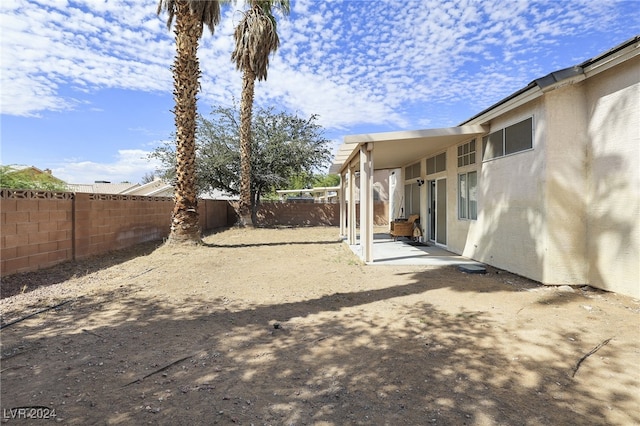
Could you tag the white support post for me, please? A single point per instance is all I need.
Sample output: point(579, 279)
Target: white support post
point(369, 255)
point(366, 201)
point(352, 205)
point(343, 209)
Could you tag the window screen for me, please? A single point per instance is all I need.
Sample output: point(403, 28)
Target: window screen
point(413, 171)
point(462, 196)
point(510, 140)
point(518, 137)
point(492, 145)
point(437, 163)
point(473, 195)
point(431, 165)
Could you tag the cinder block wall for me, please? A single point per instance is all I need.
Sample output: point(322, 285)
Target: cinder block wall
point(39, 229)
point(298, 214)
point(313, 214)
point(105, 222)
point(36, 230)
point(215, 214)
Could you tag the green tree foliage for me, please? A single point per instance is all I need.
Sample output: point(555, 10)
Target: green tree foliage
point(284, 147)
point(307, 180)
point(326, 180)
point(28, 179)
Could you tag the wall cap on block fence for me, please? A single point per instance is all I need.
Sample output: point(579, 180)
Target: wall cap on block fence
point(29, 194)
point(120, 197)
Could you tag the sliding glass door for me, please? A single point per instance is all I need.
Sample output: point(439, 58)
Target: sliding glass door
point(437, 209)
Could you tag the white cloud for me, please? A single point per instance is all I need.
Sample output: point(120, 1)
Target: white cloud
point(351, 62)
point(130, 165)
point(84, 47)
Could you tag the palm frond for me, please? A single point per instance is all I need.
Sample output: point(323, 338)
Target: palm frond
point(207, 11)
point(255, 39)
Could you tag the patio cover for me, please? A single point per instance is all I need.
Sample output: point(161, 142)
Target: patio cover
point(390, 150)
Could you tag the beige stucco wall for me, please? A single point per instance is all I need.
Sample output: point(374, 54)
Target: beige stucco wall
point(510, 227)
point(564, 187)
point(567, 212)
point(458, 230)
point(613, 197)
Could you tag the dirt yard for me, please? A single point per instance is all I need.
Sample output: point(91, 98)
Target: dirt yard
point(287, 327)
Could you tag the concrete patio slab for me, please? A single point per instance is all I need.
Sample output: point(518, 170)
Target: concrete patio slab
point(386, 251)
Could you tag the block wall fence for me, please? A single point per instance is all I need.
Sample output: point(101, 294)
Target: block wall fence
point(313, 214)
point(39, 229)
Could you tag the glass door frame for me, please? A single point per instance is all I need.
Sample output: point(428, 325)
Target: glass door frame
point(437, 211)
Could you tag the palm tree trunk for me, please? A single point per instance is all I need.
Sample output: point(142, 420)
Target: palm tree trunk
point(246, 108)
point(185, 225)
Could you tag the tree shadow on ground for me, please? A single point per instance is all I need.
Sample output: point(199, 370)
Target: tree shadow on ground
point(29, 281)
point(333, 360)
point(268, 244)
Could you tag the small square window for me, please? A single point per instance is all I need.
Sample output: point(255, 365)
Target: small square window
point(467, 153)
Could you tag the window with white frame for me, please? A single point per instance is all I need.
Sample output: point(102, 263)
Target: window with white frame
point(515, 138)
point(467, 153)
point(467, 195)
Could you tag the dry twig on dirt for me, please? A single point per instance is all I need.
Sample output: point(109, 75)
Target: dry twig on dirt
point(588, 354)
point(34, 314)
point(12, 368)
point(160, 369)
point(92, 333)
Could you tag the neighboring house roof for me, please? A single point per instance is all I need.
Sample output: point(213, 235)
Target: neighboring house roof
point(102, 188)
point(156, 188)
point(324, 192)
point(33, 171)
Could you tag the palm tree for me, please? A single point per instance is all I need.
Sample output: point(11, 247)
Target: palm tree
point(255, 37)
point(191, 16)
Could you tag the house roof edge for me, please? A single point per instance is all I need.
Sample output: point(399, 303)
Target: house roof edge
point(575, 72)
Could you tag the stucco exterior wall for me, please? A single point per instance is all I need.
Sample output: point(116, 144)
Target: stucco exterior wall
point(459, 228)
point(380, 185)
point(565, 187)
point(567, 212)
point(509, 231)
point(613, 197)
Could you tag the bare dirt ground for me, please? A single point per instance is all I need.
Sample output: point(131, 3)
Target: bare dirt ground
point(287, 327)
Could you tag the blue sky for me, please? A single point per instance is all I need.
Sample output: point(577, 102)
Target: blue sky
point(86, 87)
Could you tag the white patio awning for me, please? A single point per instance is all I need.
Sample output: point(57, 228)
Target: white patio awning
point(397, 149)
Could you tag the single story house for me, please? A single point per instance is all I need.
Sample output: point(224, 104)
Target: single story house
point(544, 184)
point(32, 174)
point(155, 188)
